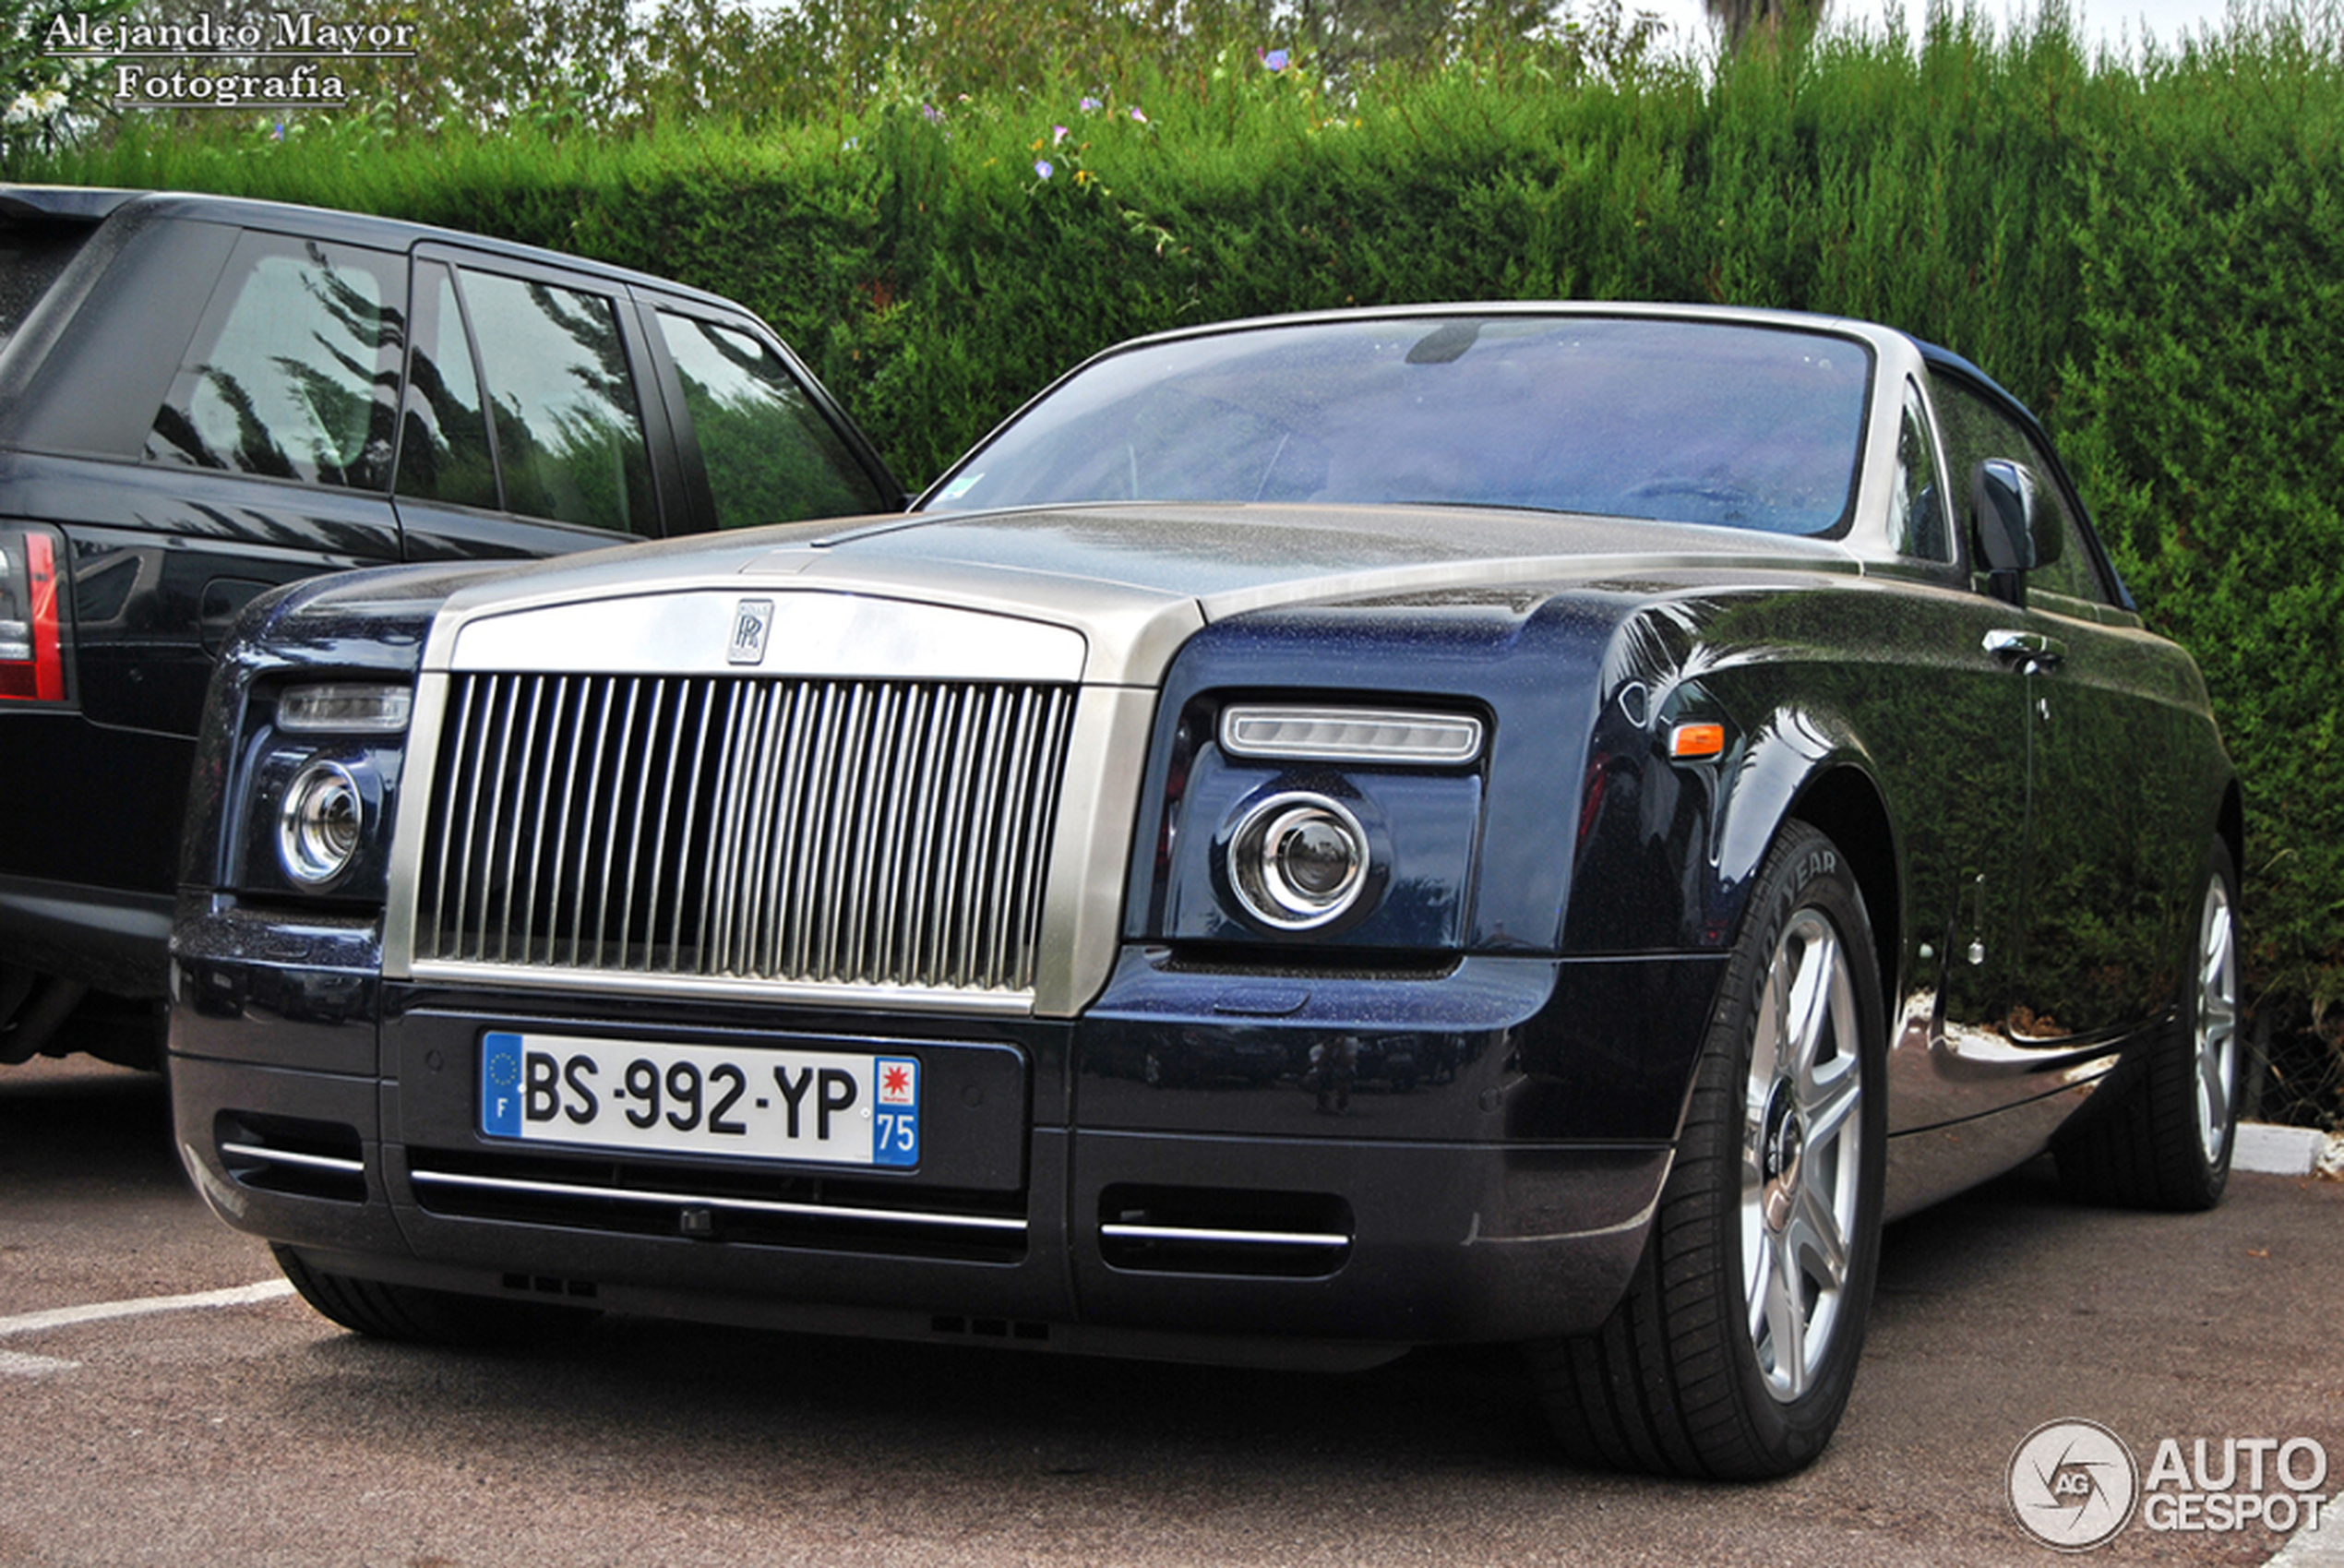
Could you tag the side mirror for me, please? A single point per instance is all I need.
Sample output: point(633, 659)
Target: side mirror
point(2015, 533)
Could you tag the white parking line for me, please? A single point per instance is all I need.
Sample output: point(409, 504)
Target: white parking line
point(66, 1317)
point(16, 1364)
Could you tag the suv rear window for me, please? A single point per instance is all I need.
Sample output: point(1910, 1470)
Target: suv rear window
point(570, 425)
point(31, 255)
point(291, 373)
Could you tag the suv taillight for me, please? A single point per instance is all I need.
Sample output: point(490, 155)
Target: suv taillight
point(32, 665)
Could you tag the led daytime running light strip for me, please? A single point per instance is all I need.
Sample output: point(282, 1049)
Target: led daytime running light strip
point(1350, 734)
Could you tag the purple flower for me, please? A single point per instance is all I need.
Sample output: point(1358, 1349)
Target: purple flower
point(1087, 105)
point(931, 114)
point(1137, 116)
point(1276, 59)
point(1042, 168)
point(1057, 134)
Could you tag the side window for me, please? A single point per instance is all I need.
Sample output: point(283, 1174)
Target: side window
point(290, 374)
point(771, 455)
point(1920, 499)
point(562, 399)
point(1975, 430)
point(443, 448)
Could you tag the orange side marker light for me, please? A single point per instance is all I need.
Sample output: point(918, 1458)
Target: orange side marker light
point(1693, 743)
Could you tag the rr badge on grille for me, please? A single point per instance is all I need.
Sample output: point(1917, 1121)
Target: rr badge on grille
point(752, 619)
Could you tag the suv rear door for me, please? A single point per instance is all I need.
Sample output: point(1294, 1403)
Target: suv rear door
point(529, 427)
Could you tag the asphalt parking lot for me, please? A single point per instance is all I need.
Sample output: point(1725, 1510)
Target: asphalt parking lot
point(139, 1428)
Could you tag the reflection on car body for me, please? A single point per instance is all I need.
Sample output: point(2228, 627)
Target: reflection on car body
point(1343, 832)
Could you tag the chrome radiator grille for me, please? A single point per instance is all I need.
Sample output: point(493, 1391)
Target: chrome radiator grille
point(880, 832)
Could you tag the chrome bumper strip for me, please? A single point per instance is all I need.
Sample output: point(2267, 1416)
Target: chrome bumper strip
point(1120, 1232)
point(266, 1155)
point(688, 1200)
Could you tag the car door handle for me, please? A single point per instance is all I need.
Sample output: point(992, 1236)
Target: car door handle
point(2027, 647)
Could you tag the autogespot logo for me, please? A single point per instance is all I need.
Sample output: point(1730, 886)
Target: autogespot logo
point(2072, 1484)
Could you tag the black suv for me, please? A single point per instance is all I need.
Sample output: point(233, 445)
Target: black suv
point(201, 398)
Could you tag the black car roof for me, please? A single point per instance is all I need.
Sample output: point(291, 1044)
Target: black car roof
point(95, 204)
point(89, 203)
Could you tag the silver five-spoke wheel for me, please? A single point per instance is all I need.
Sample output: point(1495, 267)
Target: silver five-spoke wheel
point(1734, 1349)
point(1802, 1145)
point(2217, 1027)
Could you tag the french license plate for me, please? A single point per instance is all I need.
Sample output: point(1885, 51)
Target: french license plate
point(833, 1107)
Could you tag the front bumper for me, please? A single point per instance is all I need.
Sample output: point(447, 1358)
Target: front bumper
point(1203, 1164)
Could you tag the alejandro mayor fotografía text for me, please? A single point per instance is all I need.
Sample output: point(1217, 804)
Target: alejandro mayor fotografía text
point(140, 50)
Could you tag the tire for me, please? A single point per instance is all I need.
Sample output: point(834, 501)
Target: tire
point(1732, 1354)
point(414, 1315)
point(2159, 1133)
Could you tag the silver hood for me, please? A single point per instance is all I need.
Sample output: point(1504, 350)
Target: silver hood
point(1132, 582)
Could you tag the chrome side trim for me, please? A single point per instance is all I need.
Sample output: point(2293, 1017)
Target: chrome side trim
point(745, 1205)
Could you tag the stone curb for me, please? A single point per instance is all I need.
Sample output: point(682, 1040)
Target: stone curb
point(2286, 1151)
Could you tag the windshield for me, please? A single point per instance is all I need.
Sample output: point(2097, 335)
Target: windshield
point(1683, 421)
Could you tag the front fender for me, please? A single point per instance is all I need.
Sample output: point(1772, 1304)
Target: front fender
point(1668, 844)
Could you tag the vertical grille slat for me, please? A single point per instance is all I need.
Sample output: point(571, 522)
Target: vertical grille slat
point(789, 785)
point(941, 907)
point(770, 855)
point(976, 856)
point(521, 803)
point(894, 829)
point(605, 690)
point(497, 794)
point(660, 827)
point(633, 858)
point(742, 718)
point(841, 825)
point(461, 749)
point(691, 806)
point(546, 800)
point(824, 832)
point(1004, 849)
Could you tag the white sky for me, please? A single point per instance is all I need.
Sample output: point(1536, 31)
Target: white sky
point(2113, 22)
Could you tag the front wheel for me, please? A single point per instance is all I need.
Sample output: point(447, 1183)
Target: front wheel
point(1734, 1350)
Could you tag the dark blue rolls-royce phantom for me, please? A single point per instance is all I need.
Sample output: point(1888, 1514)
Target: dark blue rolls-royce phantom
point(1532, 823)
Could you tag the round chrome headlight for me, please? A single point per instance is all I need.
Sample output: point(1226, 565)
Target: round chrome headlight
point(321, 825)
point(1298, 861)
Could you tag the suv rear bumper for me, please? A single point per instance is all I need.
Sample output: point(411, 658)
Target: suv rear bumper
point(108, 939)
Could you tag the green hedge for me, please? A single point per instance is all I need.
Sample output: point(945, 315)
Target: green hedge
point(2151, 255)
